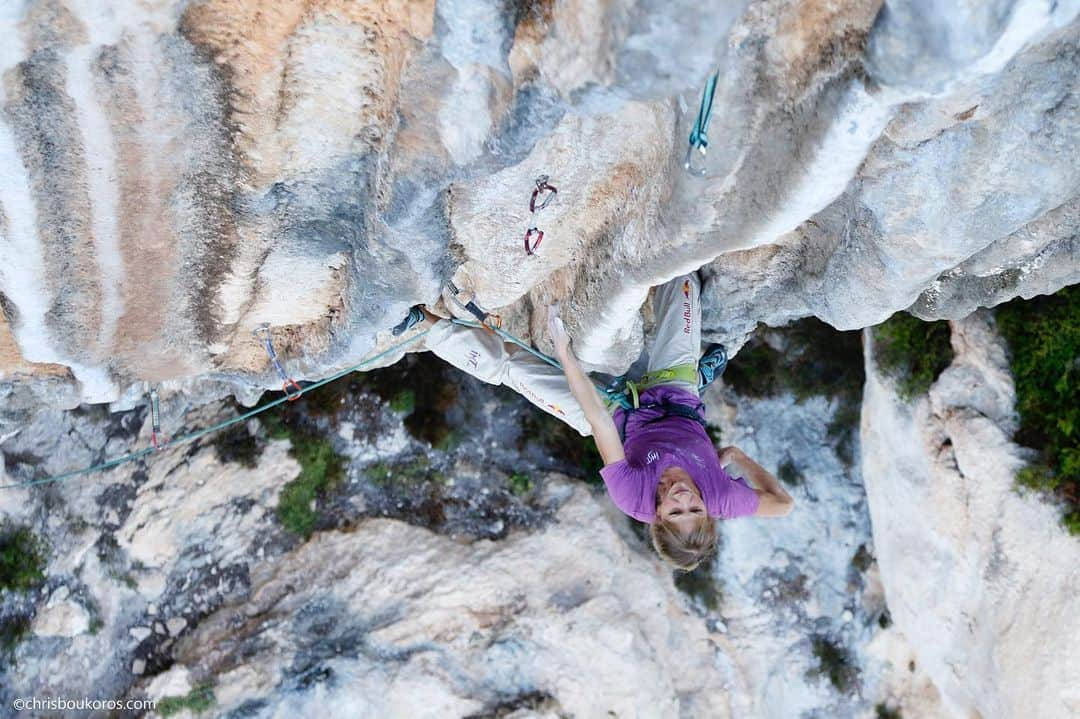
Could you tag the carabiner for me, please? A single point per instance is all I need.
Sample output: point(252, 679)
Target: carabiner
point(531, 250)
point(292, 389)
point(688, 162)
point(541, 186)
point(155, 421)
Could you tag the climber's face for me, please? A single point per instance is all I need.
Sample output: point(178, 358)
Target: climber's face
point(679, 500)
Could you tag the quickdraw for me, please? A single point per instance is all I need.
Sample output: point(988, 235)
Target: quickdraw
point(488, 320)
point(699, 138)
point(156, 438)
point(291, 387)
point(534, 235)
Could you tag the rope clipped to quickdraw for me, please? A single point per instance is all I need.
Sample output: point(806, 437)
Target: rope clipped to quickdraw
point(534, 235)
point(291, 387)
point(487, 320)
point(699, 138)
point(156, 438)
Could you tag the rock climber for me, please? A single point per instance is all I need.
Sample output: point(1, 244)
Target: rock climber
point(660, 466)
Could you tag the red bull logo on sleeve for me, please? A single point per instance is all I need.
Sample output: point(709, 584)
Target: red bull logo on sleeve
point(540, 401)
point(688, 315)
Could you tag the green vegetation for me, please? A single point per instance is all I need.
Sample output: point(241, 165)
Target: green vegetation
point(834, 662)
point(912, 352)
point(410, 472)
point(197, 701)
point(236, 444)
point(22, 558)
point(863, 559)
point(1043, 335)
point(12, 631)
point(562, 441)
point(788, 473)
point(419, 388)
point(520, 483)
point(816, 360)
point(701, 585)
point(404, 401)
point(321, 469)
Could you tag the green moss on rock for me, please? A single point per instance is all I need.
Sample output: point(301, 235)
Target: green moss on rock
point(321, 469)
point(1043, 335)
point(196, 701)
point(912, 352)
point(22, 558)
point(835, 663)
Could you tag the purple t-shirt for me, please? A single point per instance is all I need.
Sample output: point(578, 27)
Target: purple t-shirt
point(653, 445)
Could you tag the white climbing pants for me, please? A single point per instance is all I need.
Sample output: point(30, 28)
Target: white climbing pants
point(485, 356)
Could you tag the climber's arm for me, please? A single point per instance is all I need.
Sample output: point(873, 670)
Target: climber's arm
point(603, 427)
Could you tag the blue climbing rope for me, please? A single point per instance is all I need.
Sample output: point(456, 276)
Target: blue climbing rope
point(699, 138)
point(184, 439)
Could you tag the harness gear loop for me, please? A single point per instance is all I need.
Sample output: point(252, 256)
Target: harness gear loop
point(155, 421)
point(539, 238)
point(699, 138)
point(542, 186)
point(687, 373)
point(289, 386)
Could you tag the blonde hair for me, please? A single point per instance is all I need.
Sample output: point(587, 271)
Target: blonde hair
point(685, 551)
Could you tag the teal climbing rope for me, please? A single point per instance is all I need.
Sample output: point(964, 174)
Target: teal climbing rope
point(184, 439)
point(699, 138)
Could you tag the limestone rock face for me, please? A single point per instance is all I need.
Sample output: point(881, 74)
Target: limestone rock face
point(61, 617)
point(177, 173)
point(980, 579)
point(394, 620)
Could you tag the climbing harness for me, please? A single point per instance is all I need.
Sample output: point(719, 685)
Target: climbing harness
point(534, 234)
point(667, 409)
point(699, 139)
point(291, 387)
point(191, 437)
point(156, 438)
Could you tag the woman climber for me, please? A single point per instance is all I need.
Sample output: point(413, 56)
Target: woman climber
point(660, 467)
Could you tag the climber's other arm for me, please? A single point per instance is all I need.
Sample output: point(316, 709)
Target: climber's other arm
point(603, 427)
point(774, 499)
